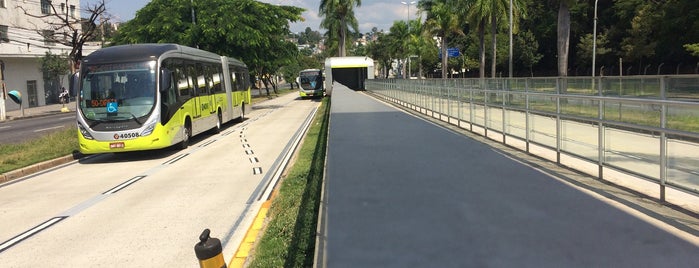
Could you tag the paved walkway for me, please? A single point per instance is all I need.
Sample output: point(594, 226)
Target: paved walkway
point(401, 192)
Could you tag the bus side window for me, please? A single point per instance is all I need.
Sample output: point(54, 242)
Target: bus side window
point(191, 74)
point(200, 80)
point(234, 86)
point(217, 79)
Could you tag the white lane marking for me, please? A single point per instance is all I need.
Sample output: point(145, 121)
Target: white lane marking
point(256, 170)
point(48, 128)
point(124, 185)
point(9, 243)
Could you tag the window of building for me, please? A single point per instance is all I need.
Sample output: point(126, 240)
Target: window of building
point(48, 37)
point(72, 11)
point(2, 4)
point(4, 37)
point(63, 8)
point(45, 7)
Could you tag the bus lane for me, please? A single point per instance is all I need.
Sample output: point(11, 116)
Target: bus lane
point(150, 211)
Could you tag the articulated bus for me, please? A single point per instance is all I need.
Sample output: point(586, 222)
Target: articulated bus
point(311, 83)
point(152, 96)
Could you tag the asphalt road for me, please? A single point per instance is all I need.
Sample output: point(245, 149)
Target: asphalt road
point(401, 192)
point(16, 131)
point(147, 209)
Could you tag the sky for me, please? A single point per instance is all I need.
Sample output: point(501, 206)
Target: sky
point(372, 13)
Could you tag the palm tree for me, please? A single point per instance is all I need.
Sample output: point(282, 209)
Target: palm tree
point(477, 12)
point(563, 36)
point(400, 43)
point(481, 11)
point(337, 16)
point(420, 41)
point(441, 20)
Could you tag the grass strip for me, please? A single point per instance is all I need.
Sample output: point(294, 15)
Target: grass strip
point(47, 147)
point(289, 237)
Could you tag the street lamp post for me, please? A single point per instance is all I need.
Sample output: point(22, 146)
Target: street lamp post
point(408, 4)
point(510, 69)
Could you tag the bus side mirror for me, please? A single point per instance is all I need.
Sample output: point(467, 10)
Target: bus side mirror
point(73, 84)
point(298, 80)
point(165, 78)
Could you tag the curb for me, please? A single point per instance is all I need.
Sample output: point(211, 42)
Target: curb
point(19, 173)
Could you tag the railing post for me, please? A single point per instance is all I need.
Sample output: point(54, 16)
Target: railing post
point(505, 88)
point(470, 107)
point(526, 113)
point(600, 133)
point(663, 140)
point(559, 82)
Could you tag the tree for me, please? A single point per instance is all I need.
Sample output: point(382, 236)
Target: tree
point(692, 49)
point(54, 67)
point(421, 43)
point(378, 50)
point(440, 21)
point(584, 53)
point(563, 40)
point(527, 47)
point(400, 37)
point(245, 29)
point(337, 16)
point(70, 30)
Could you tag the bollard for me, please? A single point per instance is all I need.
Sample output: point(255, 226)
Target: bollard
point(208, 251)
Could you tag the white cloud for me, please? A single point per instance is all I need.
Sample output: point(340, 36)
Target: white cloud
point(372, 13)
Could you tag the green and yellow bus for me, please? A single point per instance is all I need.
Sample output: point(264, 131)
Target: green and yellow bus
point(151, 96)
point(311, 83)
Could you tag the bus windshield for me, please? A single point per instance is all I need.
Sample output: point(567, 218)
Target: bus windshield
point(118, 91)
point(311, 80)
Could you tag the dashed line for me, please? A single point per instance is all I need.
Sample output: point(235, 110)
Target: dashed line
point(177, 158)
point(9, 243)
point(48, 128)
point(256, 170)
point(124, 185)
point(254, 160)
point(249, 152)
point(246, 145)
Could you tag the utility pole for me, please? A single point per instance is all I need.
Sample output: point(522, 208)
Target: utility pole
point(3, 91)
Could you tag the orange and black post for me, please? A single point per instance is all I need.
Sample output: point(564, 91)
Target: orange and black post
point(209, 251)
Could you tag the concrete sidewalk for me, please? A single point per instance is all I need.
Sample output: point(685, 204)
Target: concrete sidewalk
point(403, 192)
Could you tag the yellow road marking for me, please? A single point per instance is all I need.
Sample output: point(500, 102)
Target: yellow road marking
point(250, 237)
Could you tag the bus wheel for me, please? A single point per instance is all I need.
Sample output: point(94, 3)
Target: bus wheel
point(242, 112)
point(187, 133)
point(219, 118)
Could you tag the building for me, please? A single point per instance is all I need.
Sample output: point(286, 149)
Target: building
point(24, 30)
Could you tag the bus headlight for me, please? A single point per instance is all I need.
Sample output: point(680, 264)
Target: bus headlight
point(149, 128)
point(84, 132)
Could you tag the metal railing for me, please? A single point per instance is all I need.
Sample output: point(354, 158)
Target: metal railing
point(645, 126)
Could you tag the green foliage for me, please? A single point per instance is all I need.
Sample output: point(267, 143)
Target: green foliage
point(289, 237)
point(57, 144)
point(692, 49)
point(53, 66)
point(338, 16)
point(309, 37)
point(249, 30)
